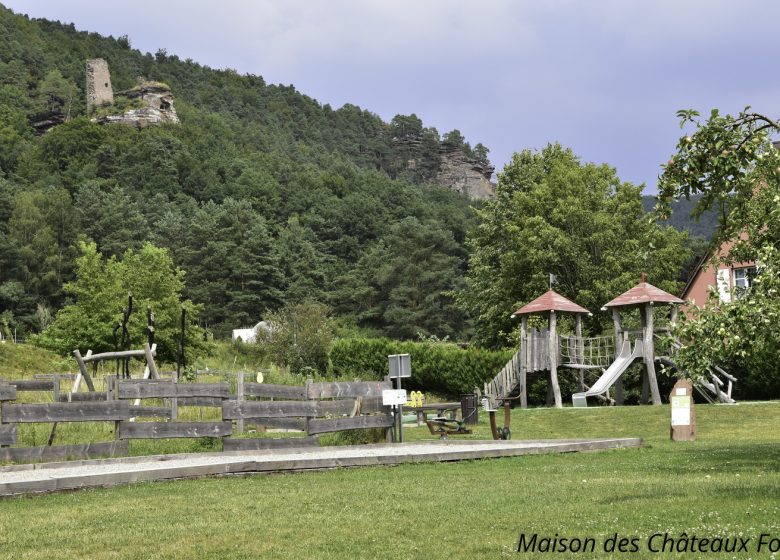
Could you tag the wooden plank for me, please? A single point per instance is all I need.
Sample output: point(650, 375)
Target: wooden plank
point(150, 411)
point(355, 423)
point(70, 376)
point(67, 412)
point(64, 452)
point(200, 401)
point(114, 356)
point(371, 405)
point(32, 384)
point(233, 410)
point(7, 392)
point(151, 389)
point(83, 397)
point(342, 389)
point(156, 430)
point(269, 409)
point(287, 392)
point(256, 444)
point(8, 435)
point(279, 423)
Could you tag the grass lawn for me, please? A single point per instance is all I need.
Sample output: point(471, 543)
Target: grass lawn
point(726, 484)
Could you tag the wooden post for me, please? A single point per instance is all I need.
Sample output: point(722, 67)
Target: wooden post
point(649, 355)
point(112, 394)
point(683, 415)
point(175, 400)
point(240, 398)
point(55, 398)
point(619, 398)
point(553, 352)
point(523, 361)
point(83, 369)
point(579, 350)
point(673, 315)
point(150, 362)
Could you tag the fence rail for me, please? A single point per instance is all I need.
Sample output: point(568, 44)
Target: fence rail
point(313, 409)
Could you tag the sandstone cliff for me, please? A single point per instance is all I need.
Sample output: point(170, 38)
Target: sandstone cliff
point(155, 106)
point(465, 175)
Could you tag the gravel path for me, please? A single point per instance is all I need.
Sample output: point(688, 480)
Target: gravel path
point(107, 472)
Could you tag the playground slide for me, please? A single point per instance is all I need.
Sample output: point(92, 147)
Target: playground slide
point(613, 372)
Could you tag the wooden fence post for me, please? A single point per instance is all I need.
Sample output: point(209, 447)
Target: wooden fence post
point(239, 399)
point(175, 400)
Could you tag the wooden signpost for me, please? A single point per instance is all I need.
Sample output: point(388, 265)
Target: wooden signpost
point(683, 415)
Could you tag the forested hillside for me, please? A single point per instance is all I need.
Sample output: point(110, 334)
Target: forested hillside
point(702, 227)
point(261, 194)
point(265, 197)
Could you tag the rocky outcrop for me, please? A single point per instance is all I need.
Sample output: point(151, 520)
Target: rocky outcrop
point(465, 175)
point(156, 102)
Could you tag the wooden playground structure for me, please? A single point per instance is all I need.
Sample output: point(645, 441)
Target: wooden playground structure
point(545, 351)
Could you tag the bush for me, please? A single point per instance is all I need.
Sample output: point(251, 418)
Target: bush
point(443, 368)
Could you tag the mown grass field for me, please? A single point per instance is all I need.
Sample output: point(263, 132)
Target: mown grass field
point(726, 484)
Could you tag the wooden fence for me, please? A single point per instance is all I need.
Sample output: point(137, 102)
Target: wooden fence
point(313, 409)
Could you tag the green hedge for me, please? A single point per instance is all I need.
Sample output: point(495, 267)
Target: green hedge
point(443, 368)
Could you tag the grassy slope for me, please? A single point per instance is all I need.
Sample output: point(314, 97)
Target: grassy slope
point(724, 484)
point(23, 361)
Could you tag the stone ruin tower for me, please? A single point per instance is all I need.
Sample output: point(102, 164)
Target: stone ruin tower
point(99, 89)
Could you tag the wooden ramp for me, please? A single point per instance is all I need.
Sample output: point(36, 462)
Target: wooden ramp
point(51, 477)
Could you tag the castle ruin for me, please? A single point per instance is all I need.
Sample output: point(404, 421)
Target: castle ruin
point(99, 90)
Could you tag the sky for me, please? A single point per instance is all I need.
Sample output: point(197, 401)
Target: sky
point(603, 77)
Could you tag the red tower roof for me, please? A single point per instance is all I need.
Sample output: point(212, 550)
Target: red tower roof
point(644, 292)
point(550, 301)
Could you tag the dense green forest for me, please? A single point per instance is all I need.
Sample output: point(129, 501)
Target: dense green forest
point(262, 195)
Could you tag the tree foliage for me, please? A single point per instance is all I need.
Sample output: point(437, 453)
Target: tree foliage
point(299, 337)
point(555, 215)
point(731, 160)
point(99, 295)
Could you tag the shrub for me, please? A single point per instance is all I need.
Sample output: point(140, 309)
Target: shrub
point(443, 368)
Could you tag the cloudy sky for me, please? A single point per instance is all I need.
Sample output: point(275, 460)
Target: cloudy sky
point(602, 77)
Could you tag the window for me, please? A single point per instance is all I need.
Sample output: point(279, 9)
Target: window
point(743, 279)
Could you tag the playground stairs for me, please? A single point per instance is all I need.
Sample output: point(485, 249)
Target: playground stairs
point(712, 388)
point(506, 384)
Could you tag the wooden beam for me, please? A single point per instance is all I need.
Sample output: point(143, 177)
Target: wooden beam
point(523, 361)
point(32, 384)
point(156, 389)
point(287, 392)
point(83, 369)
point(256, 444)
point(649, 355)
point(150, 361)
point(150, 411)
point(67, 412)
point(553, 356)
point(354, 423)
point(114, 356)
point(83, 397)
point(200, 401)
point(371, 405)
point(8, 434)
point(233, 410)
point(158, 430)
point(342, 389)
point(279, 423)
point(618, 341)
point(64, 452)
point(7, 392)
